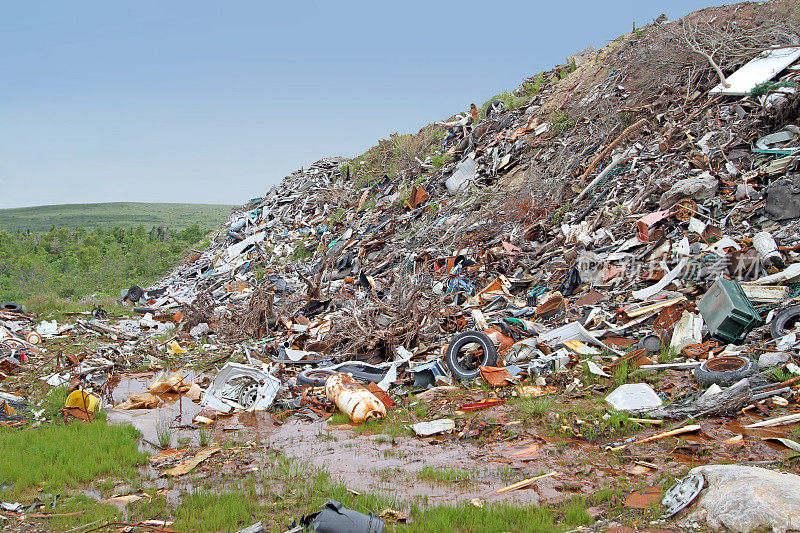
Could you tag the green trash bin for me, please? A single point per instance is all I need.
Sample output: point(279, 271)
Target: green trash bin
point(728, 312)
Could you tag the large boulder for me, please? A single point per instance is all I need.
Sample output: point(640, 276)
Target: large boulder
point(747, 498)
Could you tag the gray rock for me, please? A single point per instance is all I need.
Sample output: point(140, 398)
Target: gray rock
point(701, 187)
point(747, 498)
point(772, 358)
point(783, 199)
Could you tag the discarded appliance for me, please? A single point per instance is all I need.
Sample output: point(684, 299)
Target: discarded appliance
point(242, 387)
point(730, 316)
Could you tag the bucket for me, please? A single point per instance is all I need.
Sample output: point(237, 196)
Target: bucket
point(84, 400)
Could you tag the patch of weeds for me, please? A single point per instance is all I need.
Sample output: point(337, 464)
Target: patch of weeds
point(380, 439)
point(532, 408)
point(91, 511)
point(54, 402)
point(258, 271)
point(620, 376)
point(575, 512)
point(495, 517)
point(511, 102)
point(302, 251)
point(617, 423)
point(386, 474)
point(763, 88)
point(337, 216)
point(445, 475)
point(212, 511)
point(58, 456)
point(204, 434)
point(586, 375)
point(338, 418)
point(561, 121)
point(439, 160)
point(104, 485)
point(667, 354)
point(164, 432)
point(606, 494)
point(418, 409)
point(779, 374)
point(508, 474)
point(535, 87)
point(369, 204)
point(563, 72)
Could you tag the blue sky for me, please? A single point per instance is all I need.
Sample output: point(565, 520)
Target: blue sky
point(214, 102)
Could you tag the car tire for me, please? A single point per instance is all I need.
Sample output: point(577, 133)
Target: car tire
point(11, 307)
point(724, 371)
point(313, 377)
point(784, 321)
point(135, 293)
point(462, 366)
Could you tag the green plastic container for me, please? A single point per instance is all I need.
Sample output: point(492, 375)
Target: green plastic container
point(726, 310)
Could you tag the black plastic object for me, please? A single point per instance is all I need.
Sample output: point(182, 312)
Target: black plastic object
point(135, 293)
point(724, 371)
point(571, 282)
point(336, 518)
point(12, 307)
point(460, 356)
point(784, 321)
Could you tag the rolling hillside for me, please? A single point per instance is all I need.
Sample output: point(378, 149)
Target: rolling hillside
point(106, 215)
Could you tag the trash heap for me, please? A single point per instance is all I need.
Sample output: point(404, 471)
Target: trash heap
point(666, 241)
point(635, 215)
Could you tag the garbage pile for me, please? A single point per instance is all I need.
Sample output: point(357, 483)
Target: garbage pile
point(541, 250)
point(669, 243)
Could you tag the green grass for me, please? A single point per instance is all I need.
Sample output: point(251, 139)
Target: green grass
point(532, 408)
point(55, 457)
point(497, 517)
point(211, 511)
point(302, 251)
point(561, 121)
point(124, 214)
point(445, 475)
point(620, 376)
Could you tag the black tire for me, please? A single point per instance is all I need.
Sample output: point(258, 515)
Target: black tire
point(11, 307)
point(784, 322)
point(359, 371)
point(461, 362)
point(135, 293)
point(314, 378)
point(724, 371)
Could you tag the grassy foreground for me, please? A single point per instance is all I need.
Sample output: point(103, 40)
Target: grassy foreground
point(72, 468)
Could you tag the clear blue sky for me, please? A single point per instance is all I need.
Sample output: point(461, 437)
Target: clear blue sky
point(214, 102)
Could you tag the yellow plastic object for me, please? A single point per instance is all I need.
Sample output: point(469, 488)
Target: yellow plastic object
point(176, 348)
point(84, 400)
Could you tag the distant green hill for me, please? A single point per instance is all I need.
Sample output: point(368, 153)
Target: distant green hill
point(123, 214)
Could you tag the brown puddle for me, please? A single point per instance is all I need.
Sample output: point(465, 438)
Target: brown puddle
point(178, 411)
point(373, 463)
